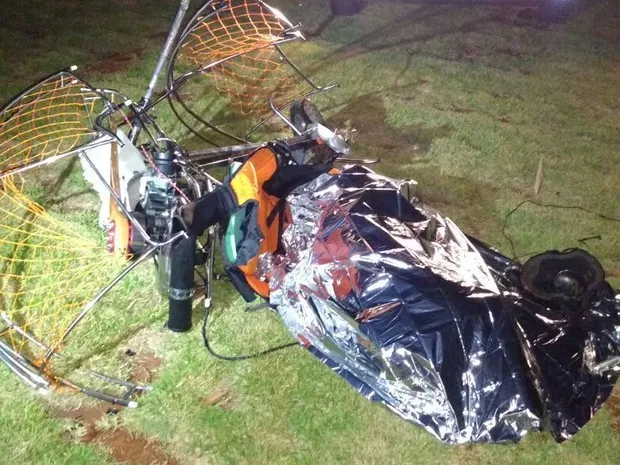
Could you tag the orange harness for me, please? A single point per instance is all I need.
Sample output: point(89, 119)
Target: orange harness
point(247, 186)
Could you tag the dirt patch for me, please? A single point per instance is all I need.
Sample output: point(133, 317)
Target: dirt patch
point(469, 50)
point(78, 201)
point(145, 367)
point(609, 33)
point(511, 52)
point(606, 25)
point(122, 445)
point(134, 450)
point(613, 272)
point(99, 423)
point(115, 62)
point(529, 17)
point(221, 396)
point(87, 415)
point(613, 404)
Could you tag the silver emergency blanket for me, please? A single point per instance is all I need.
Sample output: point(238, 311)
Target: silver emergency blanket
point(396, 299)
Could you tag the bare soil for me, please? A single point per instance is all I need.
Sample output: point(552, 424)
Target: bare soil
point(122, 445)
point(145, 368)
point(133, 450)
point(221, 396)
point(614, 408)
point(115, 62)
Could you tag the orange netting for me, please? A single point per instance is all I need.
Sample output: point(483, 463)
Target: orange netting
point(48, 272)
point(243, 34)
point(49, 119)
point(249, 80)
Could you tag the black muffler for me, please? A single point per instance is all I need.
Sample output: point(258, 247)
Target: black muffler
point(176, 281)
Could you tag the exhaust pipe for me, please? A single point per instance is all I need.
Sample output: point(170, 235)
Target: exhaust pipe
point(176, 282)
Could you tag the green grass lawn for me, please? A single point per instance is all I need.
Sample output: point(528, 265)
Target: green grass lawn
point(465, 100)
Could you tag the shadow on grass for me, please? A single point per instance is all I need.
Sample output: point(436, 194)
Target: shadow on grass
point(321, 27)
point(110, 345)
point(390, 35)
point(410, 145)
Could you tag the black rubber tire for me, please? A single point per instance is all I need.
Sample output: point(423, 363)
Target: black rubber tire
point(182, 257)
point(346, 7)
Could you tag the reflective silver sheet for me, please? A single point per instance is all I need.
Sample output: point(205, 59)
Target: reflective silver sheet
point(395, 298)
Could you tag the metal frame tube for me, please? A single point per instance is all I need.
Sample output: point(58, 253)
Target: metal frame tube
point(298, 71)
point(280, 115)
point(126, 212)
point(199, 156)
point(176, 84)
point(98, 395)
point(119, 382)
point(288, 104)
point(163, 57)
point(12, 326)
point(91, 304)
point(221, 162)
point(47, 161)
point(22, 368)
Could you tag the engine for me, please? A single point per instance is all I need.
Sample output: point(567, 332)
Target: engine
point(157, 198)
point(161, 191)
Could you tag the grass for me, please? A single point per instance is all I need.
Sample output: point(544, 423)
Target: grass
point(465, 100)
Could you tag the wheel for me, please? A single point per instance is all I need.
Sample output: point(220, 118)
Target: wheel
point(304, 113)
point(346, 7)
